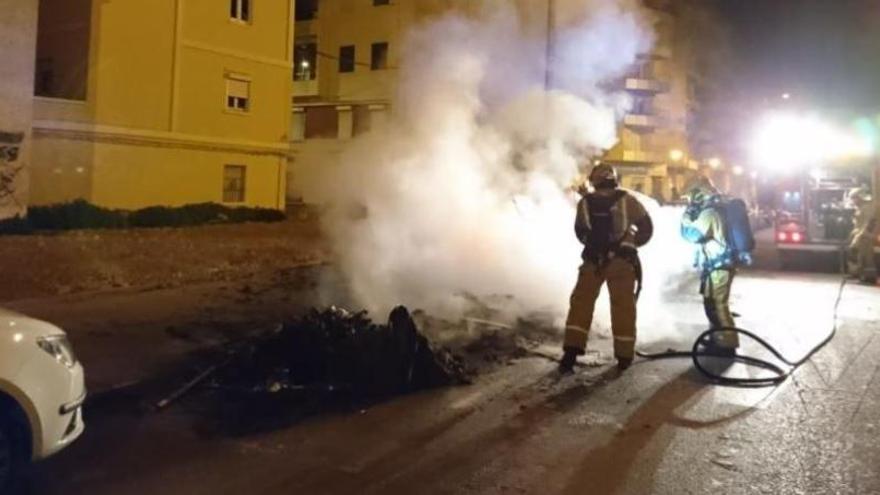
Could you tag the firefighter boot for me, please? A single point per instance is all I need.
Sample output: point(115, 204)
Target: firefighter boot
point(569, 357)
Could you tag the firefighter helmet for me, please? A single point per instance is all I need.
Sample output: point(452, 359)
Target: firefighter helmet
point(604, 176)
point(859, 195)
point(700, 191)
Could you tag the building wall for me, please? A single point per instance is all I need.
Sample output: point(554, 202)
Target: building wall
point(131, 62)
point(18, 34)
point(63, 172)
point(154, 128)
point(162, 181)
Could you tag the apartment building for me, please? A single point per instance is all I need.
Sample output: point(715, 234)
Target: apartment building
point(162, 102)
point(652, 153)
point(347, 52)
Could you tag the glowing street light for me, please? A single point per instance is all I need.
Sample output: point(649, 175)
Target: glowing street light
point(786, 96)
point(787, 141)
point(676, 155)
point(737, 170)
point(714, 162)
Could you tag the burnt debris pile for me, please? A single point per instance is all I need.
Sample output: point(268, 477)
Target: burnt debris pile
point(334, 350)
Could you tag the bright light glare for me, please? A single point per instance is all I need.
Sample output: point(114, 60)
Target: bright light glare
point(714, 162)
point(737, 170)
point(787, 141)
point(676, 155)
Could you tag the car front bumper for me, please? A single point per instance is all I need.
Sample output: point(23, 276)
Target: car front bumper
point(62, 422)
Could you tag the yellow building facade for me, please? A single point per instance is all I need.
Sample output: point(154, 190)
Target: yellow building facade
point(346, 58)
point(162, 102)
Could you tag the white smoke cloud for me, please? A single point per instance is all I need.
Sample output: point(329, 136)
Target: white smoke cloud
point(464, 191)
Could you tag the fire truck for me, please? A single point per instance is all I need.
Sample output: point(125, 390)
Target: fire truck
point(814, 218)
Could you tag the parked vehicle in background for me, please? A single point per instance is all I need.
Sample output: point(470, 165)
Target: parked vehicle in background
point(42, 389)
point(815, 218)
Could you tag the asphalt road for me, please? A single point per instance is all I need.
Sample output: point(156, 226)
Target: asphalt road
point(657, 428)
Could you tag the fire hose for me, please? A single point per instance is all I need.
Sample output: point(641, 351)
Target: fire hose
point(703, 348)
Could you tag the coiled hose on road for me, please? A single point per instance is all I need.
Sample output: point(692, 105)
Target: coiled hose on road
point(700, 346)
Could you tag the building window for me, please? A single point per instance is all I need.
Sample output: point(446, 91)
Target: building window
point(62, 54)
point(233, 183)
point(240, 10)
point(381, 2)
point(346, 58)
point(238, 93)
point(321, 122)
point(379, 56)
point(305, 61)
point(306, 10)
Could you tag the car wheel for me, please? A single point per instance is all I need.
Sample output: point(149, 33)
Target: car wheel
point(7, 455)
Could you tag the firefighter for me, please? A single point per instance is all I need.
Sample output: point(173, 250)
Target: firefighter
point(703, 224)
point(861, 239)
point(611, 224)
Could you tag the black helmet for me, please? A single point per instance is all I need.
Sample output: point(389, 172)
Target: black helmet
point(604, 176)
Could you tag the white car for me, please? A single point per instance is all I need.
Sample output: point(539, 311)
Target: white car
point(42, 389)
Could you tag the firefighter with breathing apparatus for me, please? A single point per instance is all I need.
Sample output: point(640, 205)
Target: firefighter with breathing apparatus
point(861, 240)
point(611, 224)
point(720, 229)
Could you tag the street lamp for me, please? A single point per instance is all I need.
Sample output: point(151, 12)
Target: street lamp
point(305, 73)
point(737, 170)
point(714, 162)
point(676, 155)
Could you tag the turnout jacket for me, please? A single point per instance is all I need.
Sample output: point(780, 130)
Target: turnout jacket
point(707, 230)
point(630, 224)
point(865, 224)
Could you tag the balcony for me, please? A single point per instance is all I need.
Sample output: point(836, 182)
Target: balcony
point(642, 84)
point(641, 156)
point(305, 88)
point(642, 122)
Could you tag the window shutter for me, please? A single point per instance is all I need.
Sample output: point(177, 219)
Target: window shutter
point(237, 88)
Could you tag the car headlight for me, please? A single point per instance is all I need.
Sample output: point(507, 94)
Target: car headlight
point(59, 348)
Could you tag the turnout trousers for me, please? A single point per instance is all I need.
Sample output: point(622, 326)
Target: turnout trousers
point(621, 278)
point(715, 289)
point(861, 259)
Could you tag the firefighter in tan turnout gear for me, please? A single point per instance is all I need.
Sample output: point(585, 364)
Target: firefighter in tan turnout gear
point(611, 224)
point(861, 241)
point(703, 225)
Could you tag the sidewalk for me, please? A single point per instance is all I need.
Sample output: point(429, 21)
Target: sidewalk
point(127, 335)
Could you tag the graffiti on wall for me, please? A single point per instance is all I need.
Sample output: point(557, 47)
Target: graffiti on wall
point(10, 143)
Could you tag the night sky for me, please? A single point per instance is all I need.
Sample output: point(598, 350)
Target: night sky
point(826, 53)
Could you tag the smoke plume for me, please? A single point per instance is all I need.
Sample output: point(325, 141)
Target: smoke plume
point(466, 192)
